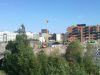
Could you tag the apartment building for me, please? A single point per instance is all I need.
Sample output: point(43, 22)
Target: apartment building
point(7, 36)
point(83, 32)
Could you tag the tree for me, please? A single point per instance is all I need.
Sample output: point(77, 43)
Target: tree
point(57, 66)
point(21, 30)
point(10, 45)
point(74, 51)
point(21, 59)
point(89, 59)
point(43, 61)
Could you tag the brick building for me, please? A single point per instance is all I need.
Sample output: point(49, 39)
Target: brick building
point(83, 32)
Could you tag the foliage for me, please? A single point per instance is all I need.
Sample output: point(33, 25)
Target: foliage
point(21, 59)
point(89, 61)
point(2, 72)
point(57, 66)
point(74, 51)
point(43, 60)
point(22, 29)
point(76, 69)
point(10, 45)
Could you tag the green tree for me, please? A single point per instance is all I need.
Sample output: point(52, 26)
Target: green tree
point(74, 51)
point(43, 60)
point(57, 66)
point(10, 46)
point(89, 59)
point(21, 59)
point(21, 30)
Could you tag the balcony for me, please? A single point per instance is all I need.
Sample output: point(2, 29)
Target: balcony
point(86, 30)
point(75, 28)
point(86, 35)
point(93, 30)
point(98, 35)
point(75, 32)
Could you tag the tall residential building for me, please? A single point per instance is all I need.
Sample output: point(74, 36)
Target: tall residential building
point(83, 32)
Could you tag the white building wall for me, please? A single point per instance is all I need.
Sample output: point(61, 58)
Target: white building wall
point(7, 36)
point(42, 39)
point(58, 37)
point(29, 35)
point(36, 36)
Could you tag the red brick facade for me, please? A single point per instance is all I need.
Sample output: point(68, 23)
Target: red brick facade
point(83, 32)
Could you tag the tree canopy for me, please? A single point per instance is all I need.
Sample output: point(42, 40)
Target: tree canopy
point(21, 59)
point(74, 51)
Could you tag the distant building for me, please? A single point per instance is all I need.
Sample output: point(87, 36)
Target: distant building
point(53, 37)
point(83, 32)
point(41, 39)
point(36, 36)
point(30, 35)
point(65, 37)
point(7, 36)
point(44, 31)
point(45, 34)
point(59, 38)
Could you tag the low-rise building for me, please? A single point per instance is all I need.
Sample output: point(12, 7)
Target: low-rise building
point(7, 36)
point(59, 38)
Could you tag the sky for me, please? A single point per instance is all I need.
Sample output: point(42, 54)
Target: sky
point(59, 13)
